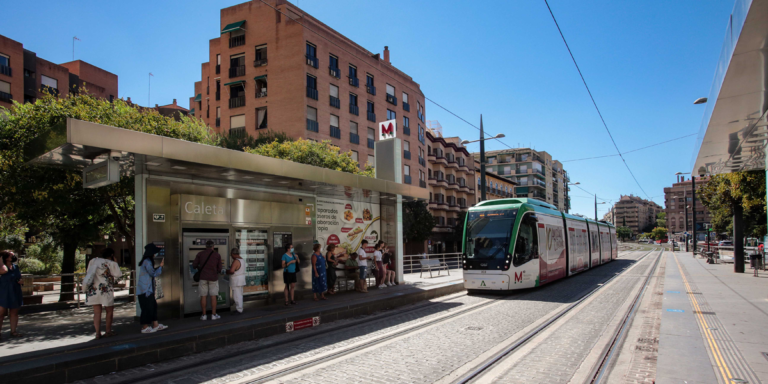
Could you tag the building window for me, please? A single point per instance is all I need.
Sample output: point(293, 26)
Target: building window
point(218, 64)
point(391, 95)
point(369, 84)
point(355, 156)
point(311, 87)
point(335, 102)
point(260, 58)
point(237, 126)
point(353, 80)
point(312, 55)
point(371, 161)
point(353, 99)
point(218, 116)
point(406, 146)
point(312, 119)
point(391, 115)
point(49, 82)
point(333, 66)
point(371, 114)
point(335, 131)
point(406, 106)
point(236, 96)
point(237, 65)
point(407, 174)
point(5, 60)
point(261, 86)
point(371, 137)
point(5, 91)
point(353, 127)
point(261, 118)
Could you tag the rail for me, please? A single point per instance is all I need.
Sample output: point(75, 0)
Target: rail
point(411, 263)
point(38, 290)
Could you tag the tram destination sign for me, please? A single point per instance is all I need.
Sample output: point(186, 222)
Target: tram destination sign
point(101, 174)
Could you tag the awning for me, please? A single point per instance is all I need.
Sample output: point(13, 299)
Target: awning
point(233, 27)
point(192, 111)
point(260, 77)
point(235, 83)
point(199, 97)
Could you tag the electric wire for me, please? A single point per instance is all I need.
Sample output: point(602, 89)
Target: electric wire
point(634, 150)
point(593, 99)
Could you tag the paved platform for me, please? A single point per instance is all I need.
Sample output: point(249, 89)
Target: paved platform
point(714, 323)
point(59, 347)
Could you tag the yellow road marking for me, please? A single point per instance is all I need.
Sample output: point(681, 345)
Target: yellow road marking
point(721, 365)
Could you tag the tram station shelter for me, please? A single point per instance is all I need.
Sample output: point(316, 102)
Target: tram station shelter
point(733, 135)
point(187, 194)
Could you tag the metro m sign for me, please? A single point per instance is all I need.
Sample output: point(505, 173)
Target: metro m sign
point(388, 129)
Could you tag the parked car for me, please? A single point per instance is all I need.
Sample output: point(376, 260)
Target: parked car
point(725, 243)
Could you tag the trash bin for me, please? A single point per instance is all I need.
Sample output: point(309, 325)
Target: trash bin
point(756, 261)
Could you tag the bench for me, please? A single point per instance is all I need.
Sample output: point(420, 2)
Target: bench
point(430, 264)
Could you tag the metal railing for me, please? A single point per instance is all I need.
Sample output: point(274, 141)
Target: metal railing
point(335, 72)
point(371, 89)
point(312, 93)
point(46, 289)
point(335, 102)
point(406, 107)
point(354, 138)
point(237, 101)
point(312, 61)
point(236, 41)
point(411, 263)
point(354, 81)
point(335, 132)
point(407, 131)
point(353, 109)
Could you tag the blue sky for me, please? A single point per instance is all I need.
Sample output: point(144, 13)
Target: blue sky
point(645, 63)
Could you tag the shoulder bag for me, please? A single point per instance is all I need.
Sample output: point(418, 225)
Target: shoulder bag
point(196, 277)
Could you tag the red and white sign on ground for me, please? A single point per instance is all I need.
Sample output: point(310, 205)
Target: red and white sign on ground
point(388, 129)
point(301, 324)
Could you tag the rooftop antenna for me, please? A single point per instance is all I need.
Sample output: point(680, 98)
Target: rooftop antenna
point(73, 46)
point(149, 89)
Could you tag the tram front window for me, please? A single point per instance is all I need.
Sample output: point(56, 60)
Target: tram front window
point(488, 233)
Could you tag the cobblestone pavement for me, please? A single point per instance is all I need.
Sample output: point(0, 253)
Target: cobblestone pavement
point(556, 358)
point(417, 357)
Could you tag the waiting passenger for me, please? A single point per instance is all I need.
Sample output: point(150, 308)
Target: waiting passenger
point(11, 297)
point(290, 267)
point(209, 264)
point(99, 292)
point(353, 272)
point(379, 265)
point(332, 261)
point(362, 261)
point(237, 280)
point(145, 290)
point(319, 278)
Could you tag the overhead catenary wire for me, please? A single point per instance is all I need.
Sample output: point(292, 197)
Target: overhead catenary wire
point(634, 150)
point(592, 98)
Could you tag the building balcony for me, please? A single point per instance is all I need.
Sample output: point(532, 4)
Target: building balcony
point(406, 107)
point(312, 93)
point(260, 63)
point(6, 97)
point(353, 109)
point(237, 132)
point(261, 93)
point(453, 207)
point(236, 41)
point(422, 162)
point(371, 117)
point(431, 157)
point(237, 102)
point(237, 71)
point(313, 126)
point(464, 188)
point(354, 138)
point(407, 155)
point(391, 99)
point(218, 122)
point(354, 81)
point(452, 164)
point(407, 179)
point(335, 72)
point(522, 171)
point(371, 143)
point(371, 89)
point(441, 160)
point(452, 185)
point(312, 61)
point(335, 132)
point(335, 102)
point(432, 181)
point(422, 184)
point(406, 131)
point(5, 70)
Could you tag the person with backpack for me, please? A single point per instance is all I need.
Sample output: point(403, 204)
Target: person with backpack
point(208, 264)
point(145, 289)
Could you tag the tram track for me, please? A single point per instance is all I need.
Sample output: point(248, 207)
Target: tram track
point(480, 370)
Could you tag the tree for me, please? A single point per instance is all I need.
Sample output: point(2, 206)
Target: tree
point(52, 199)
point(240, 143)
point(417, 221)
point(661, 219)
point(320, 154)
point(624, 233)
point(659, 233)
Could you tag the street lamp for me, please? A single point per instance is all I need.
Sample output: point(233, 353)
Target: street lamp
point(482, 155)
point(693, 203)
point(700, 100)
point(596, 203)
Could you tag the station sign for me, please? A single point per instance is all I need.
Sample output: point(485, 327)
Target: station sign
point(101, 174)
point(387, 129)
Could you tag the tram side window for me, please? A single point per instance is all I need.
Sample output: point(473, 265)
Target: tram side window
point(527, 244)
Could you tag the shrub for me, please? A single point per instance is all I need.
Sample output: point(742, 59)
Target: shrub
point(32, 266)
point(324, 154)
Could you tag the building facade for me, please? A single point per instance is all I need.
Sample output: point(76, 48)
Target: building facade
point(496, 187)
point(451, 179)
point(535, 174)
point(676, 198)
point(322, 85)
point(636, 213)
point(24, 77)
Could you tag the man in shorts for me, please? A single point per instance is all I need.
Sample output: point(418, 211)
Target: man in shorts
point(362, 263)
point(209, 264)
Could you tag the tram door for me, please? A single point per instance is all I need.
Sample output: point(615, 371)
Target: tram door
point(192, 244)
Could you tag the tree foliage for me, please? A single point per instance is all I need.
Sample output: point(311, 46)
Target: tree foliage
point(659, 233)
point(624, 233)
point(320, 154)
point(240, 143)
point(725, 191)
point(418, 222)
point(661, 219)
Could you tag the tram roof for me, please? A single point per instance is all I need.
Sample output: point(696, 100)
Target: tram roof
point(77, 144)
point(733, 131)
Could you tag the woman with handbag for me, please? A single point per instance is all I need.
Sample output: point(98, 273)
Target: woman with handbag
point(10, 290)
point(145, 290)
point(290, 267)
point(99, 291)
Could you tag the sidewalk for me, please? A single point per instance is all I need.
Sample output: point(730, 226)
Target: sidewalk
point(713, 323)
point(58, 347)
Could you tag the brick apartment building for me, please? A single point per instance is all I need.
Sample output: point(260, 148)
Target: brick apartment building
point(676, 198)
point(535, 173)
point(24, 76)
point(451, 179)
point(323, 85)
point(636, 213)
point(496, 187)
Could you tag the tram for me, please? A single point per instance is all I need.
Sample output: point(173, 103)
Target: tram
point(522, 243)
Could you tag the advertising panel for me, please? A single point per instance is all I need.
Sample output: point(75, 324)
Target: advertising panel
point(345, 223)
point(253, 250)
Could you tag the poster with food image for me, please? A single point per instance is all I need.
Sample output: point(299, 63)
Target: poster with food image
point(345, 223)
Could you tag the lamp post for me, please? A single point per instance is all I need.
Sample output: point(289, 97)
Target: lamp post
point(596, 203)
point(693, 203)
point(482, 156)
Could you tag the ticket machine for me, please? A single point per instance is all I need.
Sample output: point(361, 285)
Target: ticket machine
point(192, 244)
